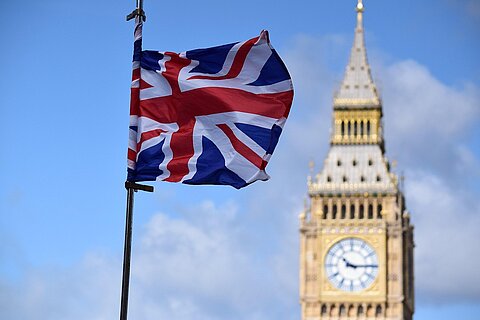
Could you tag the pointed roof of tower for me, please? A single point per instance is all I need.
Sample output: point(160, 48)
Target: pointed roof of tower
point(358, 88)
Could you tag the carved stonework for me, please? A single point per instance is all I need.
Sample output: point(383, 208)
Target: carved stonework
point(356, 255)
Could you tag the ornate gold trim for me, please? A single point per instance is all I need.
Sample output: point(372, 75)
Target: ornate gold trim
point(356, 102)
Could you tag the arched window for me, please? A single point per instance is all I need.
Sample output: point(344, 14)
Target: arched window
point(360, 212)
point(349, 128)
point(368, 128)
point(325, 211)
point(360, 311)
point(352, 211)
point(370, 211)
point(334, 211)
point(361, 128)
point(355, 130)
point(343, 213)
point(343, 310)
point(378, 311)
point(324, 310)
point(343, 128)
point(379, 211)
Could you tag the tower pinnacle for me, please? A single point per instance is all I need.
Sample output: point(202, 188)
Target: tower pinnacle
point(359, 6)
point(358, 88)
point(357, 106)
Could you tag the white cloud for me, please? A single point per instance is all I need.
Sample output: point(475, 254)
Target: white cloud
point(182, 268)
point(447, 235)
point(307, 132)
point(89, 290)
point(428, 129)
point(428, 122)
point(207, 263)
point(422, 106)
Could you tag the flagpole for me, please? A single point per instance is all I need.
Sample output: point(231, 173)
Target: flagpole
point(127, 249)
point(131, 187)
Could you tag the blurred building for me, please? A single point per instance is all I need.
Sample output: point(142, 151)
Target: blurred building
point(356, 257)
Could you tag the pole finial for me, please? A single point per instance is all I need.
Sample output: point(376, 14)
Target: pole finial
point(138, 12)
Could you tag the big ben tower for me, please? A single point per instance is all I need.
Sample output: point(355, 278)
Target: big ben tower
point(356, 255)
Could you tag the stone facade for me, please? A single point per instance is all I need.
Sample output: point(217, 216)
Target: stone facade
point(356, 255)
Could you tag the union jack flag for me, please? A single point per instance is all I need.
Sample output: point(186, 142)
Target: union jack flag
point(206, 116)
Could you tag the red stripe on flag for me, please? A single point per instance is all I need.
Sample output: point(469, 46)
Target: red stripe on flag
point(144, 84)
point(132, 155)
point(243, 149)
point(181, 145)
point(134, 101)
point(135, 74)
point(173, 67)
point(147, 135)
point(206, 101)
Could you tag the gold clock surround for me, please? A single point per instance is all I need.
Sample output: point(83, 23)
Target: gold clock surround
point(376, 291)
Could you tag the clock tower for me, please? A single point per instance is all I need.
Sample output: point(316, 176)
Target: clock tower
point(356, 255)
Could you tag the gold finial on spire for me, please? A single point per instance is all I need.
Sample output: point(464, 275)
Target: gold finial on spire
point(359, 6)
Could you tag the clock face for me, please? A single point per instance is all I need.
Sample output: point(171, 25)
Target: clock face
point(351, 264)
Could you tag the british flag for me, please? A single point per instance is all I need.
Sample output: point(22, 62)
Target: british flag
point(206, 116)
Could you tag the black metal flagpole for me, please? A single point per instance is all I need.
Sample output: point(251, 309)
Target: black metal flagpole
point(131, 187)
point(127, 249)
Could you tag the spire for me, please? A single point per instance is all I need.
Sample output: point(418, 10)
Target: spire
point(357, 89)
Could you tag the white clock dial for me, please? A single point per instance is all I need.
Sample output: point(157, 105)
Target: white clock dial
point(351, 264)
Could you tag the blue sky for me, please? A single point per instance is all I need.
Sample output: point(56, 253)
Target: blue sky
point(215, 252)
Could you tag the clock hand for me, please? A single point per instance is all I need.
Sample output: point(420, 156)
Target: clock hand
point(349, 264)
point(368, 265)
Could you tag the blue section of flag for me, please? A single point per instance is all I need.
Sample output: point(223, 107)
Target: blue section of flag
point(137, 50)
point(211, 168)
point(276, 131)
point(147, 165)
point(260, 135)
point(150, 60)
point(272, 72)
point(211, 59)
point(265, 138)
